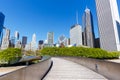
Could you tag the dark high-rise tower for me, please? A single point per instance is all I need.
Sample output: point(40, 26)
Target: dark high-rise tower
point(88, 34)
point(24, 41)
point(2, 17)
point(40, 44)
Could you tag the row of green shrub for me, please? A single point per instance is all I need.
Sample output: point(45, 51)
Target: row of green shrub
point(10, 55)
point(80, 51)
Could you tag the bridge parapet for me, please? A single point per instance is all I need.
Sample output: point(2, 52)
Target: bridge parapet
point(31, 72)
point(110, 70)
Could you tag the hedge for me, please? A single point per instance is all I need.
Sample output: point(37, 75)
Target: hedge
point(79, 51)
point(10, 55)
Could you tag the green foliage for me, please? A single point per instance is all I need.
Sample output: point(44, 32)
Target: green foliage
point(79, 51)
point(10, 55)
point(29, 53)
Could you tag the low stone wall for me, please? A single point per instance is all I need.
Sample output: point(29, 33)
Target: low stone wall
point(32, 72)
point(110, 70)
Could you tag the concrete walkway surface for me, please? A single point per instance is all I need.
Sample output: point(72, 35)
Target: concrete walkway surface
point(67, 70)
point(5, 70)
point(115, 60)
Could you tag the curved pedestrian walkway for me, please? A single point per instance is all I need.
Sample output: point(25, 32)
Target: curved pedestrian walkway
point(67, 70)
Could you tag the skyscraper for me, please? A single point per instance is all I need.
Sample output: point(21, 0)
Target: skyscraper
point(50, 38)
point(33, 43)
point(18, 44)
point(12, 42)
point(88, 31)
point(76, 35)
point(17, 35)
point(2, 17)
point(24, 41)
point(108, 16)
point(17, 41)
point(40, 44)
point(5, 41)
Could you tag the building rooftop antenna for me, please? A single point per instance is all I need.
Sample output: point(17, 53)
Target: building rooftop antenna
point(77, 17)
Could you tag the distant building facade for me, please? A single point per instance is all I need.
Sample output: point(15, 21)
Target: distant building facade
point(5, 41)
point(64, 41)
point(97, 42)
point(40, 44)
point(48, 45)
point(24, 41)
point(2, 17)
point(76, 35)
point(12, 42)
point(17, 35)
point(18, 44)
point(28, 46)
point(50, 38)
point(17, 41)
point(88, 31)
point(33, 43)
point(109, 31)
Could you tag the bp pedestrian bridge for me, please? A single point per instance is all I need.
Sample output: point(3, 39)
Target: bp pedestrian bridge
point(65, 68)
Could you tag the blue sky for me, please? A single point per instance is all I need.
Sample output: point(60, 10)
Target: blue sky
point(42, 16)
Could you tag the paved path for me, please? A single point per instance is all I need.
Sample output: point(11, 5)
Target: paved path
point(67, 70)
point(115, 60)
point(5, 70)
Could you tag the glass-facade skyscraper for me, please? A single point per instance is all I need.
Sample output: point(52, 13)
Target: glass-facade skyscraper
point(2, 17)
point(108, 19)
point(88, 31)
point(24, 41)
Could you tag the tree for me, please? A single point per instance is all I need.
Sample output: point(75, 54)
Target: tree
point(10, 55)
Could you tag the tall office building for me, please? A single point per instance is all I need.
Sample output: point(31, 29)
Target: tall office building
point(40, 44)
point(108, 17)
point(18, 44)
point(2, 17)
point(28, 47)
point(5, 41)
point(17, 41)
point(17, 35)
point(33, 43)
point(50, 38)
point(24, 41)
point(76, 35)
point(88, 31)
point(12, 42)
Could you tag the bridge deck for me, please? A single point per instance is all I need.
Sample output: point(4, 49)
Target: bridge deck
point(67, 70)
